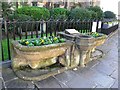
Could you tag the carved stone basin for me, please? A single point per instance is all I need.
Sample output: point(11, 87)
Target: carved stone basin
point(99, 40)
point(36, 56)
point(85, 44)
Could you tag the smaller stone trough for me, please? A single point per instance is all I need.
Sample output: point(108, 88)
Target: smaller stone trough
point(40, 62)
point(86, 45)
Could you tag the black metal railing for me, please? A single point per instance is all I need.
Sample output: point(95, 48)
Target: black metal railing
point(34, 29)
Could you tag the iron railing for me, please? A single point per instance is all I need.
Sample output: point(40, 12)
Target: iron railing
point(33, 29)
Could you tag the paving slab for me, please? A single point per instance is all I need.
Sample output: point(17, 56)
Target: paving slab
point(115, 85)
point(63, 85)
point(115, 74)
point(81, 82)
point(92, 63)
point(96, 77)
point(1, 84)
point(19, 83)
point(50, 82)
point(8, 74)
point(66, 76)
point(104, 68)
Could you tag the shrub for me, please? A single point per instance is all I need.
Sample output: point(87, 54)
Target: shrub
point(79, 13)
point(109, 15)
point(93, 15)
point(7, 8)
point(59, 13)
point(98, 11)
point(19, 17)
point(36, 13)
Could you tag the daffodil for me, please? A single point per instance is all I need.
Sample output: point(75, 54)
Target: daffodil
point(55, 38)
point(42, 41)
point(26, 42)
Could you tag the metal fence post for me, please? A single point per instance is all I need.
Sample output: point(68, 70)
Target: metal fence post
point(1, 49)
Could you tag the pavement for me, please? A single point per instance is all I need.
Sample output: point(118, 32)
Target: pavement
point(101, 73)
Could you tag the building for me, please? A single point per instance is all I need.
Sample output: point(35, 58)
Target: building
point(119, 10)
point(64, 3)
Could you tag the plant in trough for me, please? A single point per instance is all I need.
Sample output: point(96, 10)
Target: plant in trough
point(41, 41)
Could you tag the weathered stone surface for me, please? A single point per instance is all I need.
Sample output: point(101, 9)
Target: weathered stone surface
point(66, 76)
point(18, 83)
point(0, 74)
point(50, 82)
point(93, 63)
point(104, 68)
point(80, 82)
point(96, 77)
point(113, 63)
point(6, 64)
point(37, 56)
point(114, 74)
point(8, 74)
point(63, 85)
point(115, 85)
point(1, 84)
point(99, 86)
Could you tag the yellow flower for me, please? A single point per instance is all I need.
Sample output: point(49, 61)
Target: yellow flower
point(42, 41)
point(27, 43)
point(97, 34)
point(55, 38)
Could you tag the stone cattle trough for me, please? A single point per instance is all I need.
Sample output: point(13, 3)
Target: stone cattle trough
point(40, 62)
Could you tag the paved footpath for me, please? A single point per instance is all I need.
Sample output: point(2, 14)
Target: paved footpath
point(101, 73)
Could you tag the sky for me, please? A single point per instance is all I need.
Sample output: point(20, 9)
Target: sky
point(110, 5)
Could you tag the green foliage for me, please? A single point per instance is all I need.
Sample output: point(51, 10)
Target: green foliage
point(79, 13)
point(7, 8)
point(42, 41)
point(19, 17)
point(36, 13)
point(109, 15)
point(98, 11)
point(95, 34)
point(93, 15)
point(59, 13)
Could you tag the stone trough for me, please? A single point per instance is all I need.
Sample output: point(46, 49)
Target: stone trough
point(86, 45)
point(40, 59)
point(40, 62)
point(36, 56)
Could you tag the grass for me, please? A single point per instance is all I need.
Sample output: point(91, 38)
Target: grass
point(5, 45)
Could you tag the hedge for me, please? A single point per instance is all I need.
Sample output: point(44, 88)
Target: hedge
point(36, 13)
point(109, 15)
point(98, 11)
point(19, 17)
point(79, 13)
point(59, 13)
